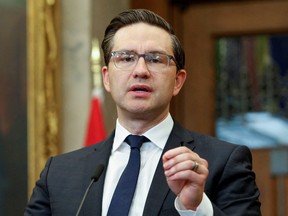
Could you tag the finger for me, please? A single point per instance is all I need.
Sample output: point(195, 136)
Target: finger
point(176, 151)
point(186, 156)
point(179, 167)
point(187, 165)
point(187, 175)
point(178, 155)
point(195, 166)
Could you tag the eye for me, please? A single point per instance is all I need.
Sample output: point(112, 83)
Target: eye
point(155, 58)
point(127, 57)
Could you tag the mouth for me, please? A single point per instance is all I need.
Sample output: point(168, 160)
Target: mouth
point(140, 88)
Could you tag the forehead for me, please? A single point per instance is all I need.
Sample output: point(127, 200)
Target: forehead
point(142, 37)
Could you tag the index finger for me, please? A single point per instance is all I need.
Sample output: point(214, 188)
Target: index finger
point(177, 151)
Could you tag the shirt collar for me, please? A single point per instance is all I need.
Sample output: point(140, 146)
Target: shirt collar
point(158, 134)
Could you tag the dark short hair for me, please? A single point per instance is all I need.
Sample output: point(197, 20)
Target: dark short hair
point(133, 16)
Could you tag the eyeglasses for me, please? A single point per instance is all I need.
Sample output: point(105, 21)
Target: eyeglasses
point(128, 59)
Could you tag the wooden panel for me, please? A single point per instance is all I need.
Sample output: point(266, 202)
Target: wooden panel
point(201, 25)
point(267, 184)
point(160, 7)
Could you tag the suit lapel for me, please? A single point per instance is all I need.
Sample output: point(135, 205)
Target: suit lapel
point(100, 155)
point(159, 188)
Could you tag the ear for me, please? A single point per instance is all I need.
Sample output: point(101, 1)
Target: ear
point(105, 77)
point(179, 81)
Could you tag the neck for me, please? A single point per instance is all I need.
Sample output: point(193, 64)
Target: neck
point(141, 125)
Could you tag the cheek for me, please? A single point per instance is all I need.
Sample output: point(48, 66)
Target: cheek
point(172, 87)
point(166, 87)
point(116, 85)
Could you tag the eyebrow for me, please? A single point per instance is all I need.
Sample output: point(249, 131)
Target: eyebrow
point(154, 52)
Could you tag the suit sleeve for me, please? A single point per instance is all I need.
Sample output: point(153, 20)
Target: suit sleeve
point(237, 193)
point(39, 203)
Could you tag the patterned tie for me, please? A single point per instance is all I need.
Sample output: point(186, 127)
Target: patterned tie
point(124, 192)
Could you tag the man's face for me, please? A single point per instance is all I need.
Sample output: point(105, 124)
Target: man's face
point(139, 91)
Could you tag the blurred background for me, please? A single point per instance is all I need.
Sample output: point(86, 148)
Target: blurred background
point(50, 63)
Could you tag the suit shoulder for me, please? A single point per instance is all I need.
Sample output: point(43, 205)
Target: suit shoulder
point(78, 153)
point(204, 141)
point(213, 144)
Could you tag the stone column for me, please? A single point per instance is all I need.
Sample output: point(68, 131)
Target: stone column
point(76, 38)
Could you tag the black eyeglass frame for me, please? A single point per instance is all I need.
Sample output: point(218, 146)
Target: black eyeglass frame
point(170, 57)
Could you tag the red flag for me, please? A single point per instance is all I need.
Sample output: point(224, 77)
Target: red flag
point(96, 130)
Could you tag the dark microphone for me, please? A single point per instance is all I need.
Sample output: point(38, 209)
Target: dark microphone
point(94, 178)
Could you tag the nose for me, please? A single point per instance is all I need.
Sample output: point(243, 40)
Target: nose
point(141, 69)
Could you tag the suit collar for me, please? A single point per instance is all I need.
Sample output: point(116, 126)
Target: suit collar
point(99, 155)
point(159, 188)
point(182, 136)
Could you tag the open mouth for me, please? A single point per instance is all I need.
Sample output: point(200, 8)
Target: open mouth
point(141, 88)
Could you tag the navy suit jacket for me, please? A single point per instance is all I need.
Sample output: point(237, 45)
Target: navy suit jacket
point(230, 185)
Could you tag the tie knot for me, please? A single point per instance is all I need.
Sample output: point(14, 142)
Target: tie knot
point(136, 141)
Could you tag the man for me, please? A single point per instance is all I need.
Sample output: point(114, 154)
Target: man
point(144, 70)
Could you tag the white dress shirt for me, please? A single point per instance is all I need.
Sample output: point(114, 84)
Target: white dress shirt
point(150, 156)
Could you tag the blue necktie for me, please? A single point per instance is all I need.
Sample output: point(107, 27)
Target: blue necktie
point(124, 192)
